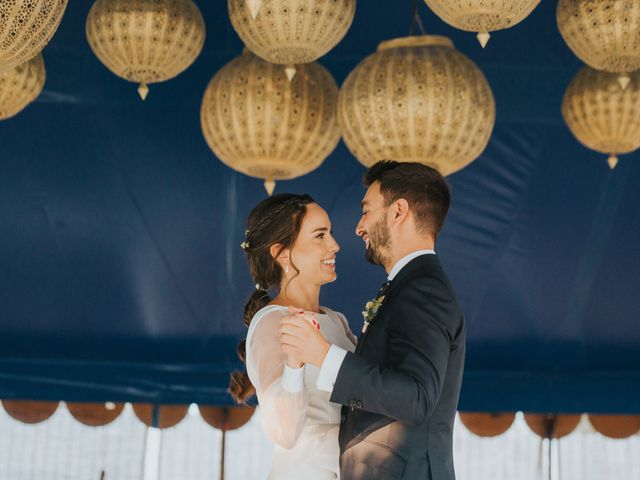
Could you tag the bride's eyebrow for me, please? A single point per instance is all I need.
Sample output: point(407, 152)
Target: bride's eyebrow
point(321, 229)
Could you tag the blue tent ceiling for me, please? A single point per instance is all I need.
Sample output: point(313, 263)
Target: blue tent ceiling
point(121, 276)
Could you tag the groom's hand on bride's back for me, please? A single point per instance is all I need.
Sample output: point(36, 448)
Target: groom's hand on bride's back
point(300, 337)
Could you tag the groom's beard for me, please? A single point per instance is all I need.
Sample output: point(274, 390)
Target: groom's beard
point(379, 238)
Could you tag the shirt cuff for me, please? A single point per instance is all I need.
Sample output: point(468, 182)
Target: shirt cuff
point(330, 367)
point(293, 379)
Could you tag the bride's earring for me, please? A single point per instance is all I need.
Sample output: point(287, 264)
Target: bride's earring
point(286, 268)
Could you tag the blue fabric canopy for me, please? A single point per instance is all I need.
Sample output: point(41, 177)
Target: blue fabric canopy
point(122, 277)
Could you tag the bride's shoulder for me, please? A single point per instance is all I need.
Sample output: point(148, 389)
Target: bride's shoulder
point(334, 314)
point(267, 314)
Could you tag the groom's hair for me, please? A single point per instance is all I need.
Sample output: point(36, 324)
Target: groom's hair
point(424, 189)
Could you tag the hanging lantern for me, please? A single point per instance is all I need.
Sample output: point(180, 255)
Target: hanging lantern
point(260, 124)
point(417, 99)
point(20, 86)
point(290, 32)
point(487, 424)
point(603, 34)
point(482, 16)
point(146, 41)
point(601, 114)
point(26, 26)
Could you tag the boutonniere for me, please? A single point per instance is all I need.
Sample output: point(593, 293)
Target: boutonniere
point(370, 310)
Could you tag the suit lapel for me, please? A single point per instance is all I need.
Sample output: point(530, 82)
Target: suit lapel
point(412, 268)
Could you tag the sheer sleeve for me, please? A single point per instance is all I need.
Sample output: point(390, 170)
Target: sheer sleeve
point(282, 395)
point(352, 338)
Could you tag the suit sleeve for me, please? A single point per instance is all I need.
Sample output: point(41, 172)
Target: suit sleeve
point(422, 324)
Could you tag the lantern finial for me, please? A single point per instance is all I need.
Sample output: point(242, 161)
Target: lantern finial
point(143, 91)
point(290, 70)
point(269, 186)
point(483, 38)
point(254, 7)
point(624, 80)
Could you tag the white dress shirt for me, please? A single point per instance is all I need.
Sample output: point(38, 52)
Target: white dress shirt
point(335, 356)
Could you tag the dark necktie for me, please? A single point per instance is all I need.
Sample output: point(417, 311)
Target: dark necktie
point(383, 288)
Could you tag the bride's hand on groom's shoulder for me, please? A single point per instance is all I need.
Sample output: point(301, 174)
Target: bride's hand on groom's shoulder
point(300, 338)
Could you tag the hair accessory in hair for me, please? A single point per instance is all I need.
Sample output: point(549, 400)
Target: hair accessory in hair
point(258, 286)
point(244, 245)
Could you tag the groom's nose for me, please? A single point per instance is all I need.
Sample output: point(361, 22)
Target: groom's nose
point(359, 229)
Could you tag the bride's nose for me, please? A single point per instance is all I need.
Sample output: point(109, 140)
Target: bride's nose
point(334, 247)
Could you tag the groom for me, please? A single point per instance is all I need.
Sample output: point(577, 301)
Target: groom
point(400, 388)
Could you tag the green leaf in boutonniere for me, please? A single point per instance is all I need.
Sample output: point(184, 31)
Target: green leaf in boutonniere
point(370, 310)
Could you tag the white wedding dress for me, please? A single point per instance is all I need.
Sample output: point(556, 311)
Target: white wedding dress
point(301, 420)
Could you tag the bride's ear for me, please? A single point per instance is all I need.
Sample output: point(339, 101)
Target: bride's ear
point(279, 253)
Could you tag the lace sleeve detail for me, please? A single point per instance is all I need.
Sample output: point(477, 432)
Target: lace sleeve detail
point(282, 395)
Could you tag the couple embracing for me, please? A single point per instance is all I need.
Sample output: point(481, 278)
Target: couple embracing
point(378, 407)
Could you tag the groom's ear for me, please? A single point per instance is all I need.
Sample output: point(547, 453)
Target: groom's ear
point(400, 209)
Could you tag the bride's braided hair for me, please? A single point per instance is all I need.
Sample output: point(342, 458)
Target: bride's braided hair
point(275, 220)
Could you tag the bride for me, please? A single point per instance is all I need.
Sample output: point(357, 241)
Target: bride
point(290, 248)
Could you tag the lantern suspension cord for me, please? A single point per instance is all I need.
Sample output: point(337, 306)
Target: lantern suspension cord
point(416, 20)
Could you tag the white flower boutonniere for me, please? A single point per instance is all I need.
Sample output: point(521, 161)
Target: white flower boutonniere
point(370, 310)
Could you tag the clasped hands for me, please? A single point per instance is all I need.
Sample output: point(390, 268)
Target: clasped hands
point(301, 340)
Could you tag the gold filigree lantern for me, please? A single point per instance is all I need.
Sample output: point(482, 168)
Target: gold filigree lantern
point(20, 86)
point(417, 99)
point(26, 26)
point(604, 34)
point(482, 16)
point(601, 114)
point(291, 32)
point(261, 124)
point(146, 41)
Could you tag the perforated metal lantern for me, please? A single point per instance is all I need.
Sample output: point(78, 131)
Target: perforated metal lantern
point(417, 99)
point(26, 26)
point(482, 16)
point(146, 41)
point(20, 86)
point(259, 123)
point(290, 32)
point(604, 34)
point(603, 115)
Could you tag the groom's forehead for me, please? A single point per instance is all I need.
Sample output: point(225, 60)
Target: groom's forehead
point(372, 195)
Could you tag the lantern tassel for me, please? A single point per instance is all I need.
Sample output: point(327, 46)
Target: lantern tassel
point(612, 161)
